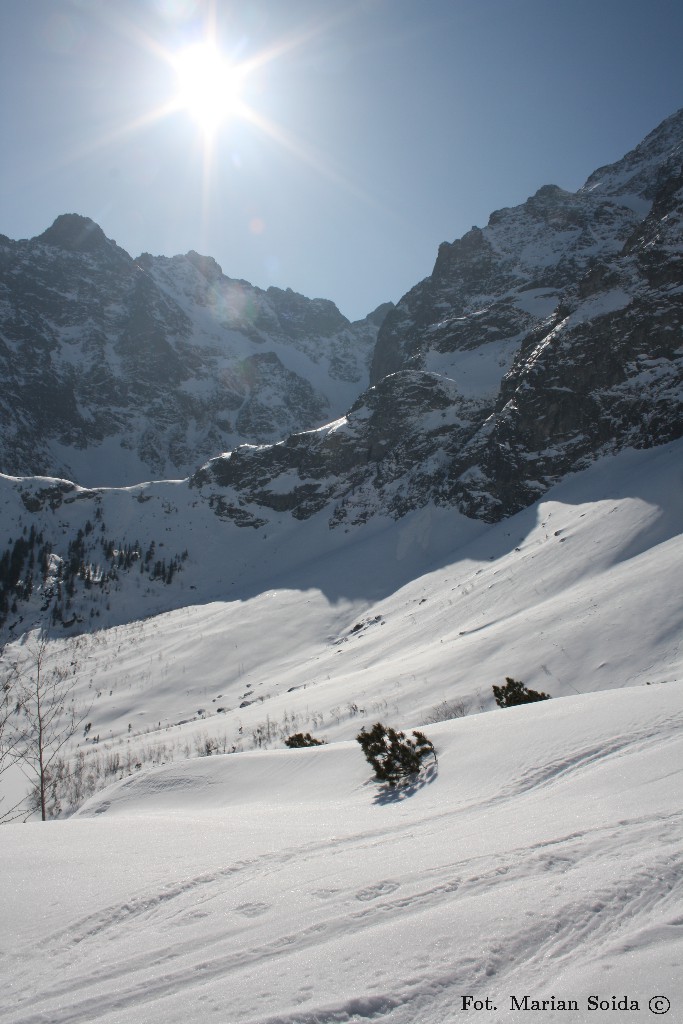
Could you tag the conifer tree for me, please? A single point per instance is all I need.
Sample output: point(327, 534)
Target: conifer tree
point(303, 739)
point(392, 754)
point(514, 693)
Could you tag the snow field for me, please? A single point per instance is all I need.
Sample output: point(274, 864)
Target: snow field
point(542, 856)
point(579, 593)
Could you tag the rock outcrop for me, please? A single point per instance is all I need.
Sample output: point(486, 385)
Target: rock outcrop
point(551, 336)
point(117, 370)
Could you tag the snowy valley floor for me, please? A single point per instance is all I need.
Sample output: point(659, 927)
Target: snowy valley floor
point(542, 858)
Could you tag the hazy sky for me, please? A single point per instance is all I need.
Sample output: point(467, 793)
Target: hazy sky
point(365, 133)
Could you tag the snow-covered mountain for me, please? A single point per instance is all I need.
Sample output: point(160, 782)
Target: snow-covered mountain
point(443, 602)
point(549, 337)
point(118, 370)
point(504, 499)
point(538, 342)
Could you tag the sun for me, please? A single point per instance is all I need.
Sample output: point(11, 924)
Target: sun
point(209, 87)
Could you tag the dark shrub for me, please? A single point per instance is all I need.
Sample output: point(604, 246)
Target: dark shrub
point(514, 693)
point(392, 754)
point(300, 739)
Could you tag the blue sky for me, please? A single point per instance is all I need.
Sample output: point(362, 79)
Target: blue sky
point(370, 131)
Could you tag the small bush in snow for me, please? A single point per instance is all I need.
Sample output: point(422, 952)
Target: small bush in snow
point(447, 710)
point(392, 754)
point(514, 693)
point(300, 739)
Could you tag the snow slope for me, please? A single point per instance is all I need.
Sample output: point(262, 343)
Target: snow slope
point(301, 624)
point(542, 857)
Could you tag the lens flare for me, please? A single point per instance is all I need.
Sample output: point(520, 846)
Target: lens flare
point(209, 86)
point(216, 81)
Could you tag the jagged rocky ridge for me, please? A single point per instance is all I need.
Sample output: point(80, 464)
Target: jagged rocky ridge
point(551, 336)
point(117, 370)
point(548, 338)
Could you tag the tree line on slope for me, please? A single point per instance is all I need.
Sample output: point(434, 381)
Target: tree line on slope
point(29, 565)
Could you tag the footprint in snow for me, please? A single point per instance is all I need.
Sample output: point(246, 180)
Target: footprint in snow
point(373, 892)
point(252, 909)
point(325, 894)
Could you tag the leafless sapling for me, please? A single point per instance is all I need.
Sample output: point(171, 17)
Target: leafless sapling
point(44, 694)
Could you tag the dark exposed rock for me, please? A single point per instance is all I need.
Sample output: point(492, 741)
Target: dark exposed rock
point(549, 337)
point(385, 455)
point(116, 370)
point(73, 233)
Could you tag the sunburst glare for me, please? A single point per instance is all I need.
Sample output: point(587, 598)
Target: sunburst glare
point(218, 82)
point(209, 86)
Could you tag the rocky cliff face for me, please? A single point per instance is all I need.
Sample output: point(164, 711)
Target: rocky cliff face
point(551, 336)
point(118, 370)
point(548, 338)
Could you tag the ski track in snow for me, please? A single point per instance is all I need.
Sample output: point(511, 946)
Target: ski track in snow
point(296, 925)
point(596, 918)
point(543, 854)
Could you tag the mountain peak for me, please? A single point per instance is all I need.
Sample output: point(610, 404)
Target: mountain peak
point(643, 170)
point(75, 233)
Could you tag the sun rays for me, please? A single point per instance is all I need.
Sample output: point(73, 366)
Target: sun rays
point(209, 86)
point(216, 99)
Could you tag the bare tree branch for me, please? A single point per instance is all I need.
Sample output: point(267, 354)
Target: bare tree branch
point(43, 696)
point(7, 709)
